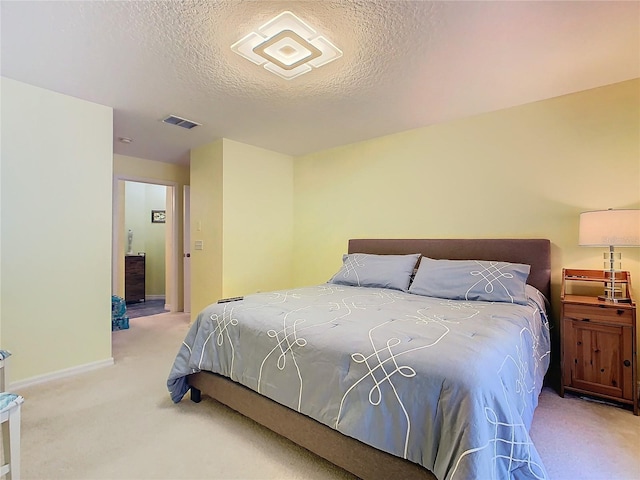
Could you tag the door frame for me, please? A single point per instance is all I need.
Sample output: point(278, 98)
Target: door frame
point(171, 299)
point(186, 248)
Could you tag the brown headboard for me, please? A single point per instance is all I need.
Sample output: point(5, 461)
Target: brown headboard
point(534, 252)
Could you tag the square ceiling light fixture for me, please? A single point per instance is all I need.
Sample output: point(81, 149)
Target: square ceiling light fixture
point(287, 47)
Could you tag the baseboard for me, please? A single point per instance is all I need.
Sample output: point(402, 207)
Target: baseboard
point(67, 372)
point(154, 297)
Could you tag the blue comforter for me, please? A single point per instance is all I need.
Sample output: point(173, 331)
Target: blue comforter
point(451, 385)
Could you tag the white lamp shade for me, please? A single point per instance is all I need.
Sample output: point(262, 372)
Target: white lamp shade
point(604, 228)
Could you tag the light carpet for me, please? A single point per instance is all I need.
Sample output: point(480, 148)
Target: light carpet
point(119, 423)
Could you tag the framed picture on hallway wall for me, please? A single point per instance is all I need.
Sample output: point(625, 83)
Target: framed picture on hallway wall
point(158, 216)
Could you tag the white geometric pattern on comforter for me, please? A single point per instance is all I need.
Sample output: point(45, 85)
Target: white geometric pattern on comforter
point(449, 384)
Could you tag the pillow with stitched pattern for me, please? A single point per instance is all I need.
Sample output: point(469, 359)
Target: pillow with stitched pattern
point(490, 281)
point(382, 271)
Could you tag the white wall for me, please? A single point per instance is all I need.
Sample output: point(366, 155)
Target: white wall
point(56, 164)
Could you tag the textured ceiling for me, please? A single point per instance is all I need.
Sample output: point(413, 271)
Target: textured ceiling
point(406, 64)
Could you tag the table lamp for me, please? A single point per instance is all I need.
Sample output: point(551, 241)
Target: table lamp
point(610, 228)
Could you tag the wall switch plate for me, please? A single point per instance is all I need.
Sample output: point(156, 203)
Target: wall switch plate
point(199, 245)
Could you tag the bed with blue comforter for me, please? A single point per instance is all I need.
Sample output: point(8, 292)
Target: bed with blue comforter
point(448, 382)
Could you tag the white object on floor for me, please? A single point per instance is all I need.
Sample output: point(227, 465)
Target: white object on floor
point(4, 354)
point(10, 405)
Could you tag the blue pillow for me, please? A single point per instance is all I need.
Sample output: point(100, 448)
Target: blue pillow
point(382, 271)
point(489, 281)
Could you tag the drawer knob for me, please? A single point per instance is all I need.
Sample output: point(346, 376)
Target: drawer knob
point(619, 311)
point(627, 363)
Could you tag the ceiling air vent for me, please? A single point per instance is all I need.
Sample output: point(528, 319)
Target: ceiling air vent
point(180, 122)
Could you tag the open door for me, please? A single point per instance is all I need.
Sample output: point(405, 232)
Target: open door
point(187, 248)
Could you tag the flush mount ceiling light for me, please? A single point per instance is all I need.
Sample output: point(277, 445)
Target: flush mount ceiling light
point(287, 47)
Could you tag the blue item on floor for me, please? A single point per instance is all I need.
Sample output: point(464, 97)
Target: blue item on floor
point(9, 400)
point(119, 318)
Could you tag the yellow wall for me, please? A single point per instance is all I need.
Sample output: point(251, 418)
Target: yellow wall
point(150, 170)
point(242, 211)
point(527, 171)
point(206, 225)
point(155, 234)
point(258, 219)
point(56, 231)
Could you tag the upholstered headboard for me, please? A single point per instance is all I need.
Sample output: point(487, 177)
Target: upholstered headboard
point(533, 252)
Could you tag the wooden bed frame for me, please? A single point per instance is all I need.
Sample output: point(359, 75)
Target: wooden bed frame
point(354, 456)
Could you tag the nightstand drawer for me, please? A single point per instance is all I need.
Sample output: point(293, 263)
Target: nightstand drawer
point(595, 313)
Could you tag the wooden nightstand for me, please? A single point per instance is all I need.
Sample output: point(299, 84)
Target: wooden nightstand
point(598, 338)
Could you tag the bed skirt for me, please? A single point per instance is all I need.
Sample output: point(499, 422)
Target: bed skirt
point(354, 456)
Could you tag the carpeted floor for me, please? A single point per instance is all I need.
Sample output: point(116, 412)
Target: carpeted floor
point(146, 308)
point(119, 423)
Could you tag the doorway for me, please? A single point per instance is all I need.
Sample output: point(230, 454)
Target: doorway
point(154, 214)
point(144, 228)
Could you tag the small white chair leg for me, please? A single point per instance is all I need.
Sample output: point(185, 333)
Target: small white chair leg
point(14, 444)
point(10, 417)
point(5, 470)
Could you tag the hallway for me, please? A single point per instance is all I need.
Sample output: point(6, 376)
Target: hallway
point(144, 309)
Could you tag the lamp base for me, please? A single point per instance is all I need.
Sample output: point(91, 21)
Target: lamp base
point(613, 292)
point(606, 298)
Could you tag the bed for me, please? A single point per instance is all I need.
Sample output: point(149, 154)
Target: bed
point(390, 381)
